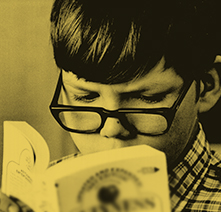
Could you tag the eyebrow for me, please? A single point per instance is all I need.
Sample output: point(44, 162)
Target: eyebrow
point(163, 93)
point(78, 87)
point(137, 92)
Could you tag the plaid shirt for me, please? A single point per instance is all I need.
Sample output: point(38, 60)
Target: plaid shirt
point(195, 182)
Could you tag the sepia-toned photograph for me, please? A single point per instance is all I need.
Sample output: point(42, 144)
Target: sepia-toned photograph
point(110, 106)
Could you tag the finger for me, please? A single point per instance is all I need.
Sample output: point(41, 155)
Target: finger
point(23, 207)
point(7, 205)
point(14, 208)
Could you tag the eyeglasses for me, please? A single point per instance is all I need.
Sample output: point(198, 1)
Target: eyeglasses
point(151, 121)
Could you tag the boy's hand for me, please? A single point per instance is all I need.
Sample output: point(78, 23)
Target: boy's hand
point(7, 205)
point(12, 205)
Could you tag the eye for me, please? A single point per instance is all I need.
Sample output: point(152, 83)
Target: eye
point(152, 99)
point(86, 98)
point(149, 99)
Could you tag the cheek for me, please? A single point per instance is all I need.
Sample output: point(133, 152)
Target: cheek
point(89, 143)
point(181, 129)
point(83, 142)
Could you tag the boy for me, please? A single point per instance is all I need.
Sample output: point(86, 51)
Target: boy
point(141, 74)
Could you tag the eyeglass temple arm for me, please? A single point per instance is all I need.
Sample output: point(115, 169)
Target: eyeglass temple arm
point(57, 91)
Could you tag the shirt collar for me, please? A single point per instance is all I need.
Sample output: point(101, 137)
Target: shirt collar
point(186, 176)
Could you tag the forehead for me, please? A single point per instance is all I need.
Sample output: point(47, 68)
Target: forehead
point(157, 78)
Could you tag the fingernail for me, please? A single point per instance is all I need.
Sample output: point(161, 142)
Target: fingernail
point(13, 208)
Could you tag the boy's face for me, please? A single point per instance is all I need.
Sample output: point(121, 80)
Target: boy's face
point(112, 97)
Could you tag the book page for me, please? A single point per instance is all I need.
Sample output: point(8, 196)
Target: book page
point(126, 179)
point(22, 161)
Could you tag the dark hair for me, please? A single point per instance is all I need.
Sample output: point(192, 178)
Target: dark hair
point(108, 44)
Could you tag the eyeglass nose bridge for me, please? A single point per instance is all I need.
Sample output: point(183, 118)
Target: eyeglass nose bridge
point(112, 114)
point(118, 115)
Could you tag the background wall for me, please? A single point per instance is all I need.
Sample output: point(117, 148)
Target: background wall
point(28, 74)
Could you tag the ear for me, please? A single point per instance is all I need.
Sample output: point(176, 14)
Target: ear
point(210, 88)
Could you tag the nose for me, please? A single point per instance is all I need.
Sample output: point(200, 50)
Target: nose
point(114, 129)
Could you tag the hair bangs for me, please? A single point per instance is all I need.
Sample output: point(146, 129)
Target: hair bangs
point(102, 45)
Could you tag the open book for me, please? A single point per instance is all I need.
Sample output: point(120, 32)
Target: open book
point(125, 179)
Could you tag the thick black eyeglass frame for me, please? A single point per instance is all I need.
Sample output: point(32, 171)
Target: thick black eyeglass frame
point(167, 113)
